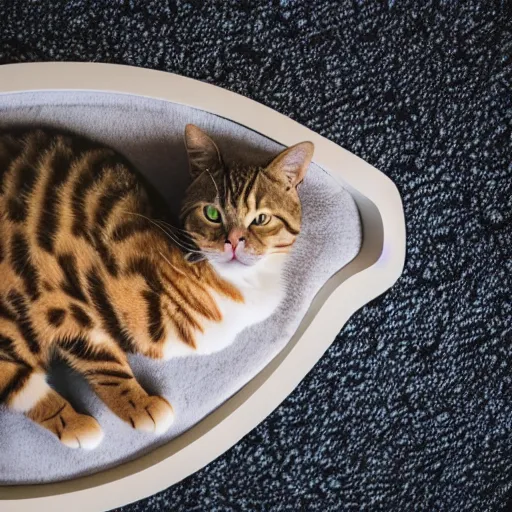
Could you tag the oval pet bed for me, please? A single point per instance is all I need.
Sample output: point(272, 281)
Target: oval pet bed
point(350, 250)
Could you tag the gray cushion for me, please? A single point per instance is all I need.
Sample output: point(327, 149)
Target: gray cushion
point(150, 133)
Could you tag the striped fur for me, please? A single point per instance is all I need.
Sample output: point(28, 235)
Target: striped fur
point(90, 273)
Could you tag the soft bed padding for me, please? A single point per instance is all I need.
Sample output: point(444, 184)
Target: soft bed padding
point(150, 133)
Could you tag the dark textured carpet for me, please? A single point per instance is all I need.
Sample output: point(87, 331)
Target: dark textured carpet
point(411, 407)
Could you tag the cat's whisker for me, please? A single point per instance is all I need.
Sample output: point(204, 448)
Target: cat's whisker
point(174, 267)
point(182, 244)
point(182, 232)
point(217, 198)
point(170, 226)
point(154, 222)
point(169, 235)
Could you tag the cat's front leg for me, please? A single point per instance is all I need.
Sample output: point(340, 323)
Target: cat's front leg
point(25, 389)
point(108, 372)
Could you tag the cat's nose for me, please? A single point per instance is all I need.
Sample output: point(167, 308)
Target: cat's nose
point(235, 237)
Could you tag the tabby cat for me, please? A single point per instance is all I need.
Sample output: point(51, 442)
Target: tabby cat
point(89, 273)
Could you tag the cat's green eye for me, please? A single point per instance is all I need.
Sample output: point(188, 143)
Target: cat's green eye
point(261, 220)
point(212, 214)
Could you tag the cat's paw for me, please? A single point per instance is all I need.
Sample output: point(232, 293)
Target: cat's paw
point(155, 414)
point(81, 431)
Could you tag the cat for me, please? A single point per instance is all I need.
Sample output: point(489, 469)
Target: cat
point(91, 273)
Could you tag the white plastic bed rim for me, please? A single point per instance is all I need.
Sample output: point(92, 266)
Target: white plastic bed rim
point(373, 271)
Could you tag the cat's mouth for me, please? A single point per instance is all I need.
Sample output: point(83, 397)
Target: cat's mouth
point(239, 254)
point(241, 258)
point(232, 257)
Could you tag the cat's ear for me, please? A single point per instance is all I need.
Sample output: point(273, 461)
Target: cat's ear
point(294, 162)
point(202, 151)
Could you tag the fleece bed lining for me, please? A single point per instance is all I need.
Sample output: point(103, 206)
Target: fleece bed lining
point(149, 133)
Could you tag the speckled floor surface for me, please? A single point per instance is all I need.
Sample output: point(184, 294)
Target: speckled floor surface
point(411, 407)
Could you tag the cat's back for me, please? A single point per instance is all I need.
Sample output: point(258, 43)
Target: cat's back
point(57, 193)
point(39, 167)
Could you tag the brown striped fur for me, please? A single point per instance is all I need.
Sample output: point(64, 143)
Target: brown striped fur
point(89, 273)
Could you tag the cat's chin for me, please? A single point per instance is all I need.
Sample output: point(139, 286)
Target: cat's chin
point(231, 261)
point(269, 263)
point(237, 264)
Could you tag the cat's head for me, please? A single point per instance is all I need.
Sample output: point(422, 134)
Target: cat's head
point(239, 214)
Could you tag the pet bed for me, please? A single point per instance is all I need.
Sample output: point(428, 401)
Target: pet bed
point(351, 249)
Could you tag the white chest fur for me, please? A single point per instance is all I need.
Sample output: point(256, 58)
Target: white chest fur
point(262, 288)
